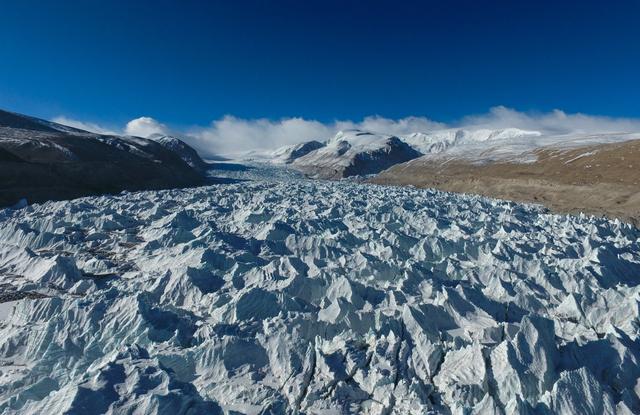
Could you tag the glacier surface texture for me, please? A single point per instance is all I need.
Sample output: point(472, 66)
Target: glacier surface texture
point(316, 298)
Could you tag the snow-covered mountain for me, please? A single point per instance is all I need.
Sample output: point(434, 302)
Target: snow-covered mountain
point(315, 297)
point(440, 141)
point(355, 152)
point(182, 149)
point(41, 160)
point(288, 154)
point(510, 145)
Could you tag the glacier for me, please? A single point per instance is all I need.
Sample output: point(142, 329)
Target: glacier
point(300, 296)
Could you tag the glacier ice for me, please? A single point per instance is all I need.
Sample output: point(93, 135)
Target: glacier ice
point(316, 297)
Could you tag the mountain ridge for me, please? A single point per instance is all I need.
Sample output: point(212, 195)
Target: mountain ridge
point(42, 160)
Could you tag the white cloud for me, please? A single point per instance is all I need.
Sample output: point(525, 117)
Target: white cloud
point(144, 127)
point(554, 122)
point(233, 135)
point(82, 125)
point(400, 126)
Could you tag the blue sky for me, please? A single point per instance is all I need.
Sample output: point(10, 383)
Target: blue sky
point(191, 62)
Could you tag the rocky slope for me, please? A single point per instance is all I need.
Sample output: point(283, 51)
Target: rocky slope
point(601, 179)
point(40, 160)
point(316, 297)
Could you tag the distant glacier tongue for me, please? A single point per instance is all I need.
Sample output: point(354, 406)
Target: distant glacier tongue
point(315, 297)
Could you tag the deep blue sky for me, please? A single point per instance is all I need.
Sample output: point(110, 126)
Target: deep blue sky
point(189, 62)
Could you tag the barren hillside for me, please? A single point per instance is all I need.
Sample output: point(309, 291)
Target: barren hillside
point(601, 179)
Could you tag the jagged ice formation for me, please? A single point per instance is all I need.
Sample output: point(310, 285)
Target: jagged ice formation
point(304, 297)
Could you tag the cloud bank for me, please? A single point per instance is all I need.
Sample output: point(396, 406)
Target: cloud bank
point(235, 135)
point(554, 122)
point(232, 135)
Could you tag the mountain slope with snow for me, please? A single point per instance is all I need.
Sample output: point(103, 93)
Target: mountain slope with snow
point(441, 141)
point(505, 145)
point(316, 297)
point(354, 152)
point(182, 149)
point(41, 160)
point(568, 176)
point(288, 154)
